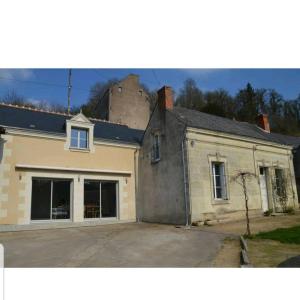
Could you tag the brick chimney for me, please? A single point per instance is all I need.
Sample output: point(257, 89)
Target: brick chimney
point(165, 98)
point(263, 122)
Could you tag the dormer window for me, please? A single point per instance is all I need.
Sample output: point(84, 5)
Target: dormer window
point(79, 138)
point(80, 134)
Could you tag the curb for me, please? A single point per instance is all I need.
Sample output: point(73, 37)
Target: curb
point(245, 261)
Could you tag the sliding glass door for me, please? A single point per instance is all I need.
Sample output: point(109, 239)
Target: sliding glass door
point(100, 199)
point(50, 199)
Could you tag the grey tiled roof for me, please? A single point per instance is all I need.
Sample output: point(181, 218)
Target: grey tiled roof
point(24, 118)
point(202, 120)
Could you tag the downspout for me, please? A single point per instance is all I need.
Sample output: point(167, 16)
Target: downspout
point(135, 187)
point(185, 180)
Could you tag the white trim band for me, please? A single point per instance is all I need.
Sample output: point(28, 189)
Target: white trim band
point(35, 167)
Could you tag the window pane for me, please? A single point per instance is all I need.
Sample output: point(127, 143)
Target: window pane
point(74, 133)
point(83, 134)
point(79, 138)
point(83, 143)
point(219, 193)
point(41, 199)
point(217, 169)
point(108, 199)
point(91, 199)
point(218, 181)
point(61, 199)
point(74, 142)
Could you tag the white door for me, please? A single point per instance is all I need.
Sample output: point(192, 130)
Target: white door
point(263, 189)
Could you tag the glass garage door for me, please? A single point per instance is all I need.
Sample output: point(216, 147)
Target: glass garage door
point(50, 199)
point(100, 199)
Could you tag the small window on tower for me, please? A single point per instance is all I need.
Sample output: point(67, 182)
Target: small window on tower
point(141, 93)
point(120, 89)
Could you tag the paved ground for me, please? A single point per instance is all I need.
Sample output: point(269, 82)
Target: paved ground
point(120, 245)
point(293, 262)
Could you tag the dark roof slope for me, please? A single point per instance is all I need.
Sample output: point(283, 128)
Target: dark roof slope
point(202, 120)
point(24, 118)
point(288, 139)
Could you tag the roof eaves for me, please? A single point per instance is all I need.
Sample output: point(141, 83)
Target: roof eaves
point(236, 136)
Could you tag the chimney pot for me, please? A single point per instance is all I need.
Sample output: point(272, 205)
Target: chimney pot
point(165, 98)
point(263, 122)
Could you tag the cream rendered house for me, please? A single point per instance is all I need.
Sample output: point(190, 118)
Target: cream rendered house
point(58, 169)
point(189, 162)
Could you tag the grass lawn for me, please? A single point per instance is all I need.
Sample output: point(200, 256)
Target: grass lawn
point(270, 248)
point(284, 235)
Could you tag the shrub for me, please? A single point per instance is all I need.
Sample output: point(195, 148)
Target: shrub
point(268, 212)
point(290, 210)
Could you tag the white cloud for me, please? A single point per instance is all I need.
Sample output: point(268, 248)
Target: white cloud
point(20, 74)
point(39, 102)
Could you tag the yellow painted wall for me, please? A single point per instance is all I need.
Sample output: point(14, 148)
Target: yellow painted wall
point(39, 151)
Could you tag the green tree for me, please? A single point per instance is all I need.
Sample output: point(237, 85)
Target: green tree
point(219, 103)
point(249, 103)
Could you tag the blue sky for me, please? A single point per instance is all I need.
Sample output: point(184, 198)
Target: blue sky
point(50, 84)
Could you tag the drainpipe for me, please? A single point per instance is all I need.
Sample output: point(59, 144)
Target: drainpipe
point(135, 186)
point(185, 181)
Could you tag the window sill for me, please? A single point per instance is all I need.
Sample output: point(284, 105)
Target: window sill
point(155, 161)
point(86, 150)
point(220, 201)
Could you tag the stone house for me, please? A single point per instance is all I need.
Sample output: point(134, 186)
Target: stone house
point(57, 169)
point(125, 102)
point(189, 162)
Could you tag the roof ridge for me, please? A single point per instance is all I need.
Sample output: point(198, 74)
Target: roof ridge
point(57, 113)
point(35, 109)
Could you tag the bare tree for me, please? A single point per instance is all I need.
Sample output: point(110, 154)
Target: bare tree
point(242, 178)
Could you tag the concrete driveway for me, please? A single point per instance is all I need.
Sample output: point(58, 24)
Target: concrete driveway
point(120, 245)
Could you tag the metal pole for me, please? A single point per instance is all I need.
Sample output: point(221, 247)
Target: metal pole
point(69, 90)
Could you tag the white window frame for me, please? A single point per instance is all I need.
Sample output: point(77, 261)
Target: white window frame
point(78, 138)
point(80, 122)
point(224, 187)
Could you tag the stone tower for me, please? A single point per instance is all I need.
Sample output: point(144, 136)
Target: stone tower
point(126, 102)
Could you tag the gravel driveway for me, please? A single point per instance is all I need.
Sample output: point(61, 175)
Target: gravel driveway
point(120, 245)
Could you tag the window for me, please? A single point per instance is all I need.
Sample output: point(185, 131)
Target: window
point(156, 148)
point(141, 93)
point(50, 199)
point(120, 89)
point(100, 199)
point(279, 182)
point(79, 138)
point(219, 180)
